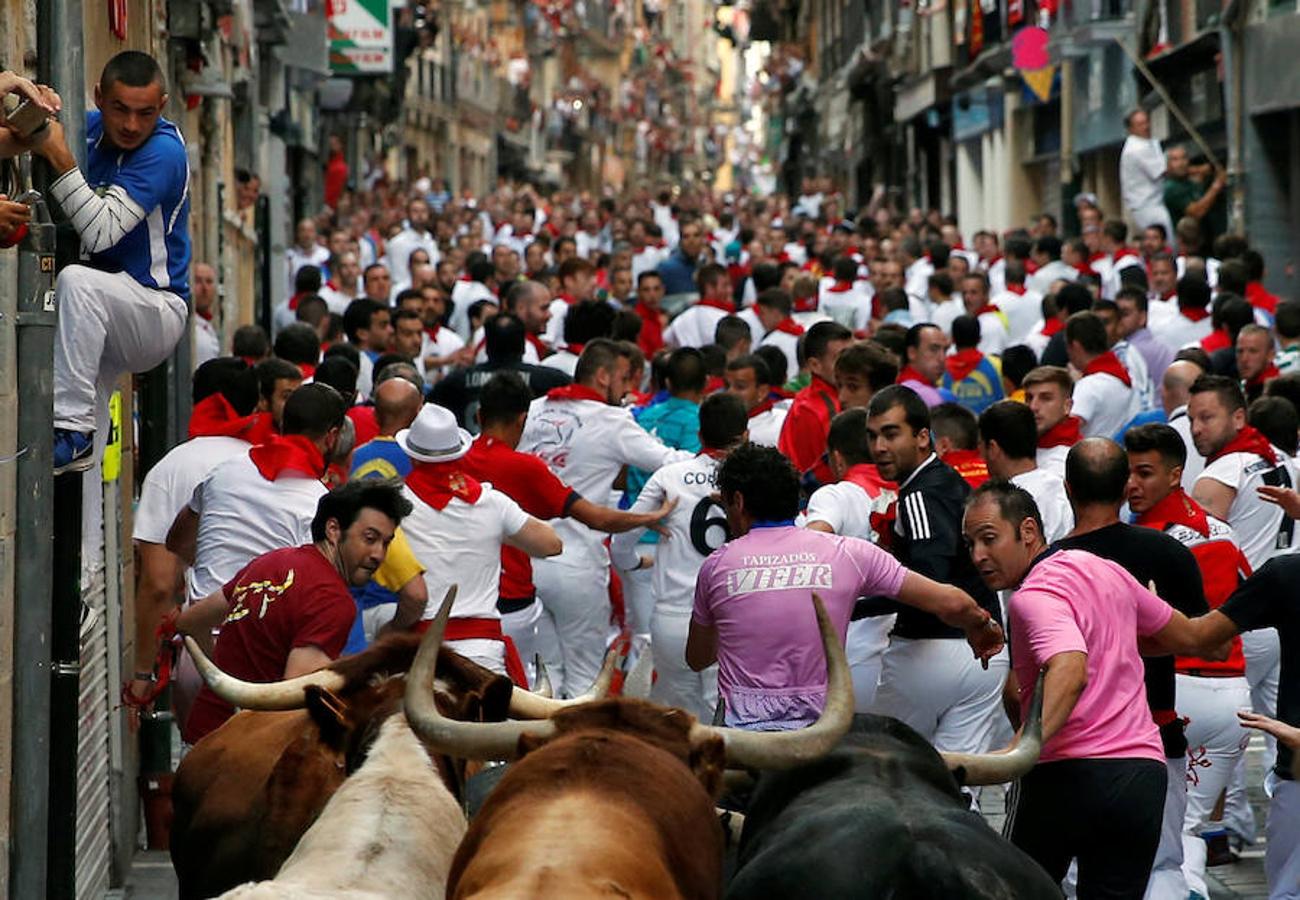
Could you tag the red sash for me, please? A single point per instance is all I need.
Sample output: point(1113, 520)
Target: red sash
point(1248, 440)
point(1108, 364)
point(575, 392)
point(484, 630)
point(213, 416)
point(288, 453)
point(438, 483)
point(963, 362)
point(1065, 433)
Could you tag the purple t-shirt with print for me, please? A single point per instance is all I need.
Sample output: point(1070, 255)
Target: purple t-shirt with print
point(756, 591)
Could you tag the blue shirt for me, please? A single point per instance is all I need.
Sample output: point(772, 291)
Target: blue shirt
point(678, 273)
point(156, 175)
point(676, 422)
point(380, 458)
point(980, 389)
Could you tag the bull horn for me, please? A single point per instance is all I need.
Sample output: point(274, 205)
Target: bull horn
point(787, 749)
point(468, 740)
point(1009, 764)
point(276, 695)
point(543, 687)
point(534, 705)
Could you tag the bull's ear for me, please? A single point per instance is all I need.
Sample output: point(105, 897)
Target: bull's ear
point(709, 763)
point(494, 699)
point(330, 715)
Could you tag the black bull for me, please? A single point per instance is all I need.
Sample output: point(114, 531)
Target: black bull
point(880, 816)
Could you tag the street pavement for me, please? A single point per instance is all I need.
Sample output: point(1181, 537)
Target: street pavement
point(151, 875)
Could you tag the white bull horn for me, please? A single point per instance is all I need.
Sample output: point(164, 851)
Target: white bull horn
point(535, 705)
point(1011, 763)
point(468, 740)
point(275, 695)
point(787, 749)
point(542, 687)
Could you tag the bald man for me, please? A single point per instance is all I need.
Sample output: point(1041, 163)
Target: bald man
point(203, 289)
point(1176, 386)
point(397, 403)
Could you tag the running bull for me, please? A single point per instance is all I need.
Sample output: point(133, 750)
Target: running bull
point(614, 797)
point(245, 795)
point(882, 816)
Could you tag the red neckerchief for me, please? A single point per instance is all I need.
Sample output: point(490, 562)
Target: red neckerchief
point(713, 452)
point(567, 298)
point(1267, 375)
point(1194, 314)
point(308, 370)
point(987, 308)
point(437, 483)
point(713, 384)
point(1084, 268)
point(1017, 289)
point(1248, 440)
point(1176, 509)
point(1122, 252)
point(575, 349)
point(432, 331)
point(575, 392)
point(1095, 256)
point(1170, 295)
point(1052, 326)
point(293, 301)
point(805, 304)
point(969, 465)
point(725, 305)
point(1216, 340)
point(840, 287)
point(963, 362)
point(213, 416)
point(762, 407)
point(1108, 364)
point(1031, 267)
point(282, 453)
point(789, 326)
point(204, 314)
point(1065, 433)
point(1260, 298)
point(910, 374)
point(867, 477)
point(992, 261)
point(542, 350)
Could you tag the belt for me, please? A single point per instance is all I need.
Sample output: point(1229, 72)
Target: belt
point(1211, 673)
point(505, 606)
point(484, 630)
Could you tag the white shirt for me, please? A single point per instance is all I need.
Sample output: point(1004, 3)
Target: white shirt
point(1048, 491)
point(242, 516)
point(916, 279)
point(1136, 364)
point(553, 336)
point(1263, 529)
point(170, 484)
point(1041, 281)
point(589, 245)
point(564, 360)
point(1195, 465)
point(696, 527)
point(402, 245)
point(207, 345)
point(1141, 174)
point(464, 295)
point(997, 273)
point(296, 258)
point(785, 342)
point(1105, 404)
point(694, 326)
point(765, 428)
point(586, 443)
point(993, 334)
point(750, 318)
point(646, 260)
point(1181, 331)
point(336, 300)
point(462, 542)
point(446, 343)
point(1024, 314)
point(851, 308)
point(1052, 459)
point(847, 509)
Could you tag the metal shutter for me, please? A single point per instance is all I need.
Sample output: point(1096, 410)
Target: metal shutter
point(94, 834)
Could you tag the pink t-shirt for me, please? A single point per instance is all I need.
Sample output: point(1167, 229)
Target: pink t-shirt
point(757, 590)
point(1075, 601)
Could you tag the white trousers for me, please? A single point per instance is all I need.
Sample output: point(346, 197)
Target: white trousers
point(488, 653)
point(676, 684)
point(1167, 881)
point(865, 646)
point(521, 627)
point(109, 325)
point(576, 603)
point(1263, 653)
point(1282, 859)
point(938, 688)
point(638, 594)
point(1215, 743)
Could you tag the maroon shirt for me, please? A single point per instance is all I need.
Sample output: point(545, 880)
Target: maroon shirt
point(281, 600)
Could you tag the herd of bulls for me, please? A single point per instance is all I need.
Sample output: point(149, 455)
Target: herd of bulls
point(352, 781)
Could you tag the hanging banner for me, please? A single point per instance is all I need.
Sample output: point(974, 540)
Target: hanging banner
point(1030, 58)
point(360, 36)
point(1015, 12)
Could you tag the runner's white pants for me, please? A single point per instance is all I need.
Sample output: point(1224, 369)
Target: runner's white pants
point(676, 684)
point(521, 627)
point(1263, 667)
point(575, 600)
point(865, 646)
point(938, 688)
point(1282, 859)
point(1167, 881)
point(1215, 743)
point(109, 325)
point(638, 595)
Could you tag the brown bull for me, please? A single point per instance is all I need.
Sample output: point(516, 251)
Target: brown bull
point(247, 792)
point(612, 798)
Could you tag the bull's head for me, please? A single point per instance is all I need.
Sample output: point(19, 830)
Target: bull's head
point(750, 749)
